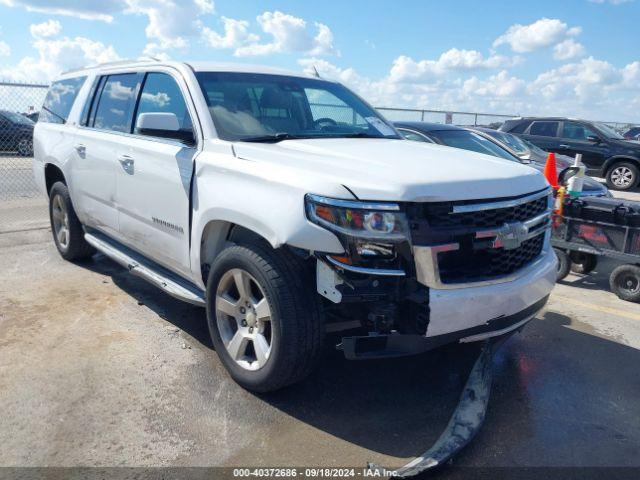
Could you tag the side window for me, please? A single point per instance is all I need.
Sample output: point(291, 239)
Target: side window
point(520, 128)
point(576, 131)
point(161, 94)
point(409, 135)
point(544, 129)
point(117, 100)
point(59, 100)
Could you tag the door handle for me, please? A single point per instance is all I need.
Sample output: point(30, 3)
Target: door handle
point(81, 149)
point(564, 146)
point(126, 162)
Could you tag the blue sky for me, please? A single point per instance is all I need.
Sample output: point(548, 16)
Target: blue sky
point(575, 57)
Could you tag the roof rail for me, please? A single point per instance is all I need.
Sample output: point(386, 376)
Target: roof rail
point(113, 64)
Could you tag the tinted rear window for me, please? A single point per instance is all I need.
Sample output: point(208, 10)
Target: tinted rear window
point(467, 140)
point(116, 103)
point(59, 100)
point(519, 127)
point(544, 129)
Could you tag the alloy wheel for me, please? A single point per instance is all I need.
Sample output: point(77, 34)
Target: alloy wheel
point(60, 219)
point(622, 176)
point(243, 317)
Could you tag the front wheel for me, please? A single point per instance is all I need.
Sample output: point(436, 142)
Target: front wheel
point(622, 176)
point(263, 316)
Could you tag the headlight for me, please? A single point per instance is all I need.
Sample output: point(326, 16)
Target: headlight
point(372, 221)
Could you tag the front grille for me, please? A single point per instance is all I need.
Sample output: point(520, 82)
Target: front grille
point(440, 215)
point(467, 265)
point(466, 239)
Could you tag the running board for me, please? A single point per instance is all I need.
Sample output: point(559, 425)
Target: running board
point(174, 286)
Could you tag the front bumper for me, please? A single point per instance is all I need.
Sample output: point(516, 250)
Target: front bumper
point(466, 314)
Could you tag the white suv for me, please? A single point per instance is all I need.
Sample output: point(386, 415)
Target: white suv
point(288, 207)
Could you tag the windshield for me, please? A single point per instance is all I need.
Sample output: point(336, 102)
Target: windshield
point(511, 141)
point(608, 131)
point(472, 141)
point(17, 118)
point(255, 107)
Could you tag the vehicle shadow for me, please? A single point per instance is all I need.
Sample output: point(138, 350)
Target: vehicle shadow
point(598, 279)
point(561, 395)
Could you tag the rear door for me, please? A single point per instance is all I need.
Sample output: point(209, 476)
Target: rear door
point(574, 140)
point(98, 144)
point(154, 176)
point(544, 134)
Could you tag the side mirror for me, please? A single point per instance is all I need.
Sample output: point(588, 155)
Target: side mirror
point(162, 125)
point(593, 139)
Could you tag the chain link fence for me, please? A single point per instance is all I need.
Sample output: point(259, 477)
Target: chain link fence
point(22, 206)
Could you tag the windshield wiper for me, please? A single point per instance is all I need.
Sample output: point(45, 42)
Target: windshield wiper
point(276, 137)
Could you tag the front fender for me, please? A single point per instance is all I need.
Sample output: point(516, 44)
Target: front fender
point(264, 201)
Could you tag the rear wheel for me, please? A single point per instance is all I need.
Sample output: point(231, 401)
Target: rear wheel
point(67, 230)
point(263, 316)
point(564, 264)
point(622, 176)
point(582, 262)
point(625, 282)
point(25, 147)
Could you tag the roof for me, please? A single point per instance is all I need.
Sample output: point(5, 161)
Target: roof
point(196, 66)
point(427, 126)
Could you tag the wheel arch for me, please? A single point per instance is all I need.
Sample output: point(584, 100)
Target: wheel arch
point(610, 162)
point(216, 234)
point(53, 174)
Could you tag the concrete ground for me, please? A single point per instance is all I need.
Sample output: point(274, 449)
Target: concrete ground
point(98, 368)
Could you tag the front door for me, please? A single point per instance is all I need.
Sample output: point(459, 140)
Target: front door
point(575, 139)
point(154, 179)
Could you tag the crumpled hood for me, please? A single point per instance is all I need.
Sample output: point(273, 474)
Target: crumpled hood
point(399, 170)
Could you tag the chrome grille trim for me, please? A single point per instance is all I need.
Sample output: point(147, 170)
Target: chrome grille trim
point(478, 207)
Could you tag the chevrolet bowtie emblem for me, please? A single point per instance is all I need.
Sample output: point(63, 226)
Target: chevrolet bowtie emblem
point(510, 236)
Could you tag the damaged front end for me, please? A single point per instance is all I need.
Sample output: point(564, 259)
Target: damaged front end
point(416, 276)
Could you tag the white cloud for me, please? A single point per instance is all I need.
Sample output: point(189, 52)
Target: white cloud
point(58, 55)
point(405, 68)
point(171, 22)
point(590, 88)
point(5, 50)
point(85, 9)
point(568, 49)
point(500, 85)
point(289, 34)
point(47, 29)
point(236, 35)
point(541, 33)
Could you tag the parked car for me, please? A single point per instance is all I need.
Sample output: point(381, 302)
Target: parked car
point(481, 141)
point(16, 133)
point(632, 134)
point(604, 151)
point(237, 189)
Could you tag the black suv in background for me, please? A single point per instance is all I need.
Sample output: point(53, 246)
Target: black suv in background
point(604, 151)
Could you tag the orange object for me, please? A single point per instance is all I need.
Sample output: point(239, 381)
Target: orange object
point(551, 171)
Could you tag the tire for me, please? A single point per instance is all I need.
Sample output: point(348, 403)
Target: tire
point(622, 176)
point(67, 230)
point(625, 282)
point(294, 332)
point(564, 264)
point(25, 147)
point(582, 262)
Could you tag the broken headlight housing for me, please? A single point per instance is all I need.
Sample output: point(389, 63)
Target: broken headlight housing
point(368, 231)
